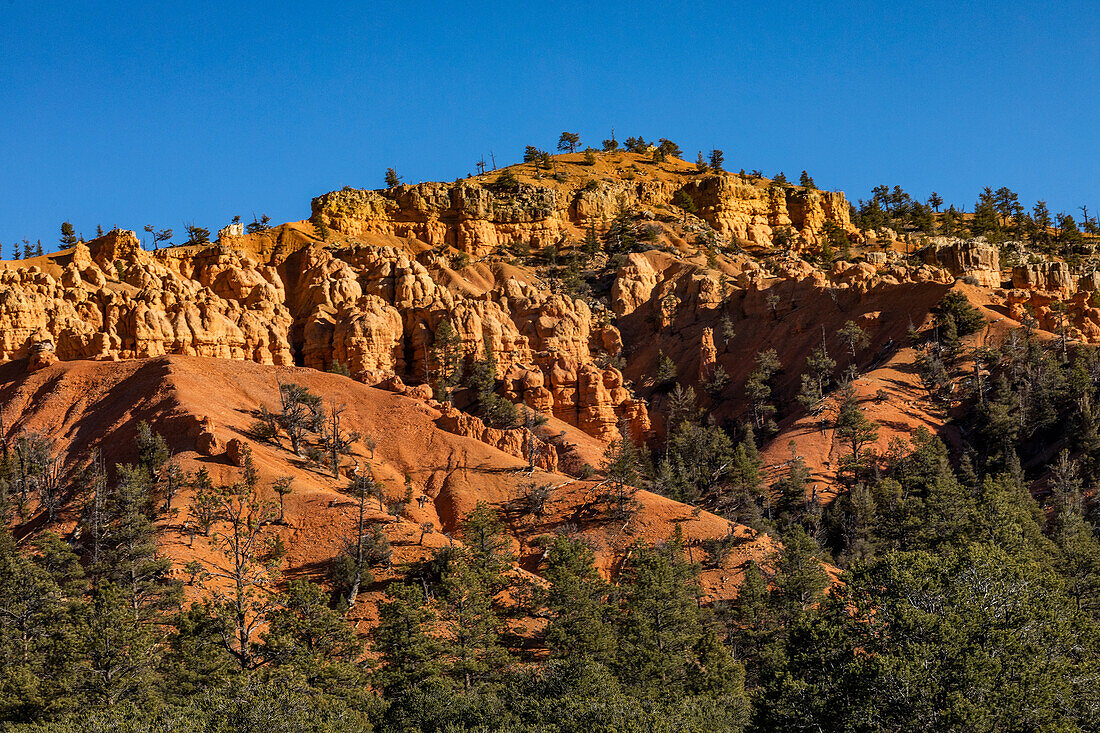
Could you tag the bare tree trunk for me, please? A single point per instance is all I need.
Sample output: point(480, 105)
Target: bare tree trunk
point(358, 579)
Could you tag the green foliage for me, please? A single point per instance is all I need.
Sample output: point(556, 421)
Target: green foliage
point(685, 202)
point(758, 391)
point(196, 236)
point(669, 149)
point(697, 464)
point(446, 356)
point(506, 182)
point(955, 309)
point(568, 142)
point(622, 466)
point(68, 235)
point(716, 160)
point(665, 374)
point(582, 617)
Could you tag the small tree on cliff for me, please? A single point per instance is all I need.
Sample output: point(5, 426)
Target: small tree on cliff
point(569, 141)
point(686, 203)
point(301, 414)
point(68, 235)
point(162, 235)
point(447, 355)
point(257, 225)
point(669, 149)
point(334, 440)
point(853, 428)
point(352, 567)
point(717, 159)
point(392, 179)
point(197, 235)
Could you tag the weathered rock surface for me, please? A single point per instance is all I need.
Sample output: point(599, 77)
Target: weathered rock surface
point(372, 301)
point(112, 300)
point(478, 218)
point(962, 257)
point(1043, 276)
point(518, 442)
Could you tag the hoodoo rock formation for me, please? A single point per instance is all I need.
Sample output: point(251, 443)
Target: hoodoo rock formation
point(479, 216)
point(366, 285)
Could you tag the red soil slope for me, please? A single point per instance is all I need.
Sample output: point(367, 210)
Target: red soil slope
point(83, 405)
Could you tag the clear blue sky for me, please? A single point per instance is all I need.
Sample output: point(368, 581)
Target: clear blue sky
point(125, 114)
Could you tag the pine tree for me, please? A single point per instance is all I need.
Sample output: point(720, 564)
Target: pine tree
point(717, 159)
point(758, 390)
point(312, 640)
point(569, 142)
point(472, 627)
point(661, 629)
point(853, 428)
point(447, 359)
point(68, 235)
point(799, 578)
point(243, 600)
point(669, 149)
point(791, 489)
point(118, 653)
point(577, 599)
point(490, 556)
point(621, 466)
point(685, 202)
point(129, 558)
point(37, 639)
point(817, 379)
point(411, 656)
point(354, 564)
point(854, 337)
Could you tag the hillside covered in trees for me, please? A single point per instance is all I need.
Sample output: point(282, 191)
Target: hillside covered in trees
point(603, 440)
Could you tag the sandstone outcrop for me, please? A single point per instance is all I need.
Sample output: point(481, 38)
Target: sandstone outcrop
point(753, 213)
point(518, 442)
point(479, 217)
point(1043, 276)
point(965, 257)
point(112, 300)
point(374, 300)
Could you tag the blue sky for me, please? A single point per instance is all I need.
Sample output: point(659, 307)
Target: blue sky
point(125, 114)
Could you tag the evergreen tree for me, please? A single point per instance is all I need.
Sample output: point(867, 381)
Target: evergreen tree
point(669, 149)
point(569, 142)
point(447, 360)
point(489, 553)
point(118, 655)
point(717, 160)
point(853, 428)
point(68, 235)
point(577, 598)
point(472, 644)
point(758, 390)
point(621, 466)
point(313, 640)
point(410, 654)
